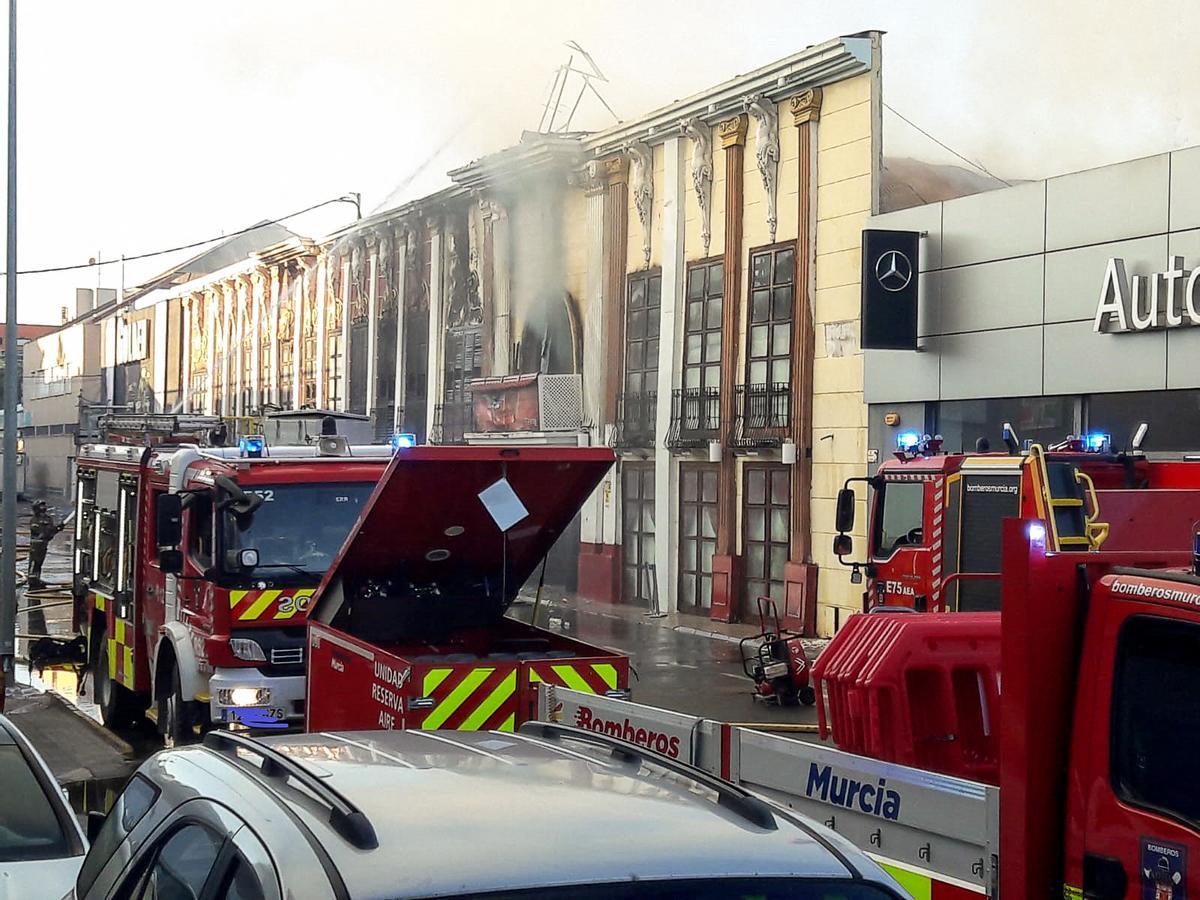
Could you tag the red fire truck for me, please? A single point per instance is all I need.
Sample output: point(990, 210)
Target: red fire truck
point(1090, 742)
point(408, 629)
point(933, 539)
point(195, 564)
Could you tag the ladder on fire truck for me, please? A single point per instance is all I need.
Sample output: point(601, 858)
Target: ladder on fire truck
point(1067, 492)
point(160, 428)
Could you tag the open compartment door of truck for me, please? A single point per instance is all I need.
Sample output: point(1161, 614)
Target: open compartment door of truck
point(415, 601)
point(450, 536)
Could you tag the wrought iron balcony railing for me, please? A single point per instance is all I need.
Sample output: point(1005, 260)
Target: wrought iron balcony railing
point(763, 415)
point(451, 422)
point(635, 419)
point(695, 417)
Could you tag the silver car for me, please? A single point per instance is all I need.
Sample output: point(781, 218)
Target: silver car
point(550, 813)
point(41, 843)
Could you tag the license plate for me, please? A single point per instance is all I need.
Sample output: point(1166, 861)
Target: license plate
point(254, 716)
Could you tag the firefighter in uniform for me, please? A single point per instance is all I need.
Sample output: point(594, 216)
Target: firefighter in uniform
point(41, 529)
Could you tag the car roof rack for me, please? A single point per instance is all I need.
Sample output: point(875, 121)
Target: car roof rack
point(350, 822)
point(736, 799)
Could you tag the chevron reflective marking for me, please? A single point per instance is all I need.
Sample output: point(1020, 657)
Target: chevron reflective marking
point(608, 672)
point(432, 679)
point(457, 697)
point(256, 609)
point(572, 679)
point(491, 703)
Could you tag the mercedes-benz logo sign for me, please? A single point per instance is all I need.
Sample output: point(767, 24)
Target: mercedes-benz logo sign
point(893, 271)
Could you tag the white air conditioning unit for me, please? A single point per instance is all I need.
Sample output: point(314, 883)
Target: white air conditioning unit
point(560, 402)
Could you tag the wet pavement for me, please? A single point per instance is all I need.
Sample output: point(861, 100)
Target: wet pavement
point(679, 662)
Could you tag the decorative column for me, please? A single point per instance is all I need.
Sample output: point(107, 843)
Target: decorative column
point(339, 324)
point(727, 566)
point(185, 355)
point(277, 273)
point(298, 284)
point(599, 552)
point(228, 306)
point(436, 339)
point(800, 573)
point(322, 302)
point(404, 237)
point(372, 248)
point(666, 513)
point(616, 242)
point(210, 311)
point(258, 284)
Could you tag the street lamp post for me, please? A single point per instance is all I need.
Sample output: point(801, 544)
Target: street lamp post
point(12, 377)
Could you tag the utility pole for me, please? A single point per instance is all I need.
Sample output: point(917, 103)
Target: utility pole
point(12, 377)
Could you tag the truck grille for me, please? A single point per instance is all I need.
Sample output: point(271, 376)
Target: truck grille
point(287, 656)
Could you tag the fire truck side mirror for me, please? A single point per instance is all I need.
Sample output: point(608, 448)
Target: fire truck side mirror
point(170, 561)
point(168, 521)
point(843, 545)
point(845, 510)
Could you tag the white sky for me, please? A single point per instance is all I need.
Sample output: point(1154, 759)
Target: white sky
point(148, 124)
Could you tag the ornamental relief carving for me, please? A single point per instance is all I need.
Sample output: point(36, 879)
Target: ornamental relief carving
point(702, 172)
point(199, 336)
point(766, 150)
point(641, 185)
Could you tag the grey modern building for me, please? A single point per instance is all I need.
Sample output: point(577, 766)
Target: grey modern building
point(1062, 306)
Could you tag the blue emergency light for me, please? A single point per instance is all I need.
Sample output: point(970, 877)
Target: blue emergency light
point(1098, 441)
point(908, 440)
point(403, 440)
point(253, 446)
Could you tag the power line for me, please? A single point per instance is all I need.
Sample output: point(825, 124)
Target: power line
point(192, 246)
point(971, 163)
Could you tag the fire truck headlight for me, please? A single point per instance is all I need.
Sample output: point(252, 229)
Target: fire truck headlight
point(1037, 533)
point(244, 696)
point(244, 648)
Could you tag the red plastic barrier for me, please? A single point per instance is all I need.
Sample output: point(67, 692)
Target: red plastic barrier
point(918, 689)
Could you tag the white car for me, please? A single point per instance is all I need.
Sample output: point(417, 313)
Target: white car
point(41, 843)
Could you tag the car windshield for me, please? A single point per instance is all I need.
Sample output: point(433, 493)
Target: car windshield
point(298, 527)
point(708, 889)
point(29, 829)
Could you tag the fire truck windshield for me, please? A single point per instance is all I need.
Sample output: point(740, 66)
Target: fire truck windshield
point(298, 527)
point(899, 522)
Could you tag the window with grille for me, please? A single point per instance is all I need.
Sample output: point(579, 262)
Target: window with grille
point(641, 332)
point(702, 325)
point(697, 534)
point(772, 292)
point(766, 530)
point(287, 372)
point(637, 533)
point(308, 372)
point(336, 375)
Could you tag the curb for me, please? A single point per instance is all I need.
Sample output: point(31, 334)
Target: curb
point(713, 635)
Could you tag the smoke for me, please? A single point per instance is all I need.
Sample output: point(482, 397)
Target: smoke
point(197, 119)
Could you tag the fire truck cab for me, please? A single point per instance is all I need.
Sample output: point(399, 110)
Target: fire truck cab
point(195, 565)
point(933, 539)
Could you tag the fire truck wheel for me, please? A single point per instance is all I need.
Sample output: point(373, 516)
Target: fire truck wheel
point(807, 695)
point(118, 705)
point(176, 716)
